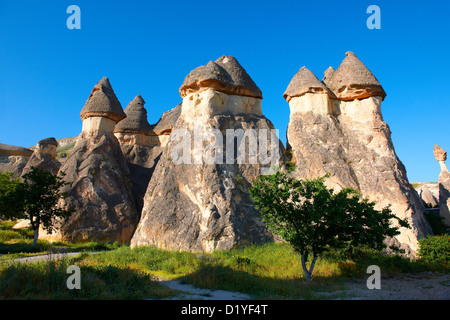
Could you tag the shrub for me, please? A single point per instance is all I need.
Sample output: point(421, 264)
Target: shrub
point(435, 249)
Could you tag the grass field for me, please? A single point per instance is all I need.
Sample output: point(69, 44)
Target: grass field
point(270, 271)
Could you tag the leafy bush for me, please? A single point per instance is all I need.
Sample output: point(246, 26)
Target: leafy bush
point(435, 249)
point(436, 224)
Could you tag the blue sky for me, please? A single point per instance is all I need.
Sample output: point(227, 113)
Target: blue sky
point(148, 47)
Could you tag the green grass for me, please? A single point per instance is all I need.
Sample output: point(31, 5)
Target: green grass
point(64, 151)
point(47, 280)
point(17, 243)
point(270, 271)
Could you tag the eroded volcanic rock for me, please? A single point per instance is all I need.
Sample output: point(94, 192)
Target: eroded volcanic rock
point(100, 189)
point(348, 139)
point(202, 205)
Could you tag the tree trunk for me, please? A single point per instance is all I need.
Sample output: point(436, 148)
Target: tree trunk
point(309, 272)
point(36, 236)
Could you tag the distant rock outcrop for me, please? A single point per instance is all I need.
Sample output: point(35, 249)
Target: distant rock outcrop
point(44, 157)
point(198, 201)
point(100, 189)
point(13, 159)
point(336, 127)
point(444, 185)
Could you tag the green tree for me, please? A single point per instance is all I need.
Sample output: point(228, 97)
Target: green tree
point(9, 204)
point(313, 219)
point(35, 198)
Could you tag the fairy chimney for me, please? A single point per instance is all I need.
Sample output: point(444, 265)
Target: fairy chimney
point(218, 87)
point(135, 129)
point(44, 157)
point(102, 110)
point(306, 93)
point(350, 142)
point(205, 205)
point(444, 185)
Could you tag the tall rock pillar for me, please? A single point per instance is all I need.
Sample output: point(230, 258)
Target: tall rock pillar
point(444, 185)
point(198, 198)
point(99, 190)
point(351, 142)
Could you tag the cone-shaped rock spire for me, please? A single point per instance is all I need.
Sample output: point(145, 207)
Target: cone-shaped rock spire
point(225, 75)
point(352, 80)
point(304, 81)
point(327, 75)
point(103, 103)
point(136, 120)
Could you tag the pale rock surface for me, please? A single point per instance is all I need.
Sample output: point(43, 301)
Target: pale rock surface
point(426, 195)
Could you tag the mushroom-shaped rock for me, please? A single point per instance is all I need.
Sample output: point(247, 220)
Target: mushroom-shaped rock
point(439, 153)
point(135, 129)
point(353, 80)
point(103, 103)
point(102, 110)
point(47, 146)
point(44, 157)
point(306, 93)
point(304, 81)
point(225, 75)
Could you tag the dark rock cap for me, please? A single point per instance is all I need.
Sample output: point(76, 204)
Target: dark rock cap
point(9, 150)
point(304, 81)
point(103, 103)
point(353, 80)
point(225, 75)
point(167, 121)
point(49, 141)
point(136, 120)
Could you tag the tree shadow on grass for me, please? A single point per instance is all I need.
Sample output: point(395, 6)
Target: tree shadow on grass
point(261, 287)
point(48, 280)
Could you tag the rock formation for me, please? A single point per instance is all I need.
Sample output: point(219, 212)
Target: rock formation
point(140, 145)
point(100, 190)
point(336, 127)
point(198, 199)
point(427, 197)
point(164, 126)
point(13, 159)
point(444, 185)
point(44, 157)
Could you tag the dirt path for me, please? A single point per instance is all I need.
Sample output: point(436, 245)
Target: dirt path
point(424, 286)
point(189, 292)
point(47, 257)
